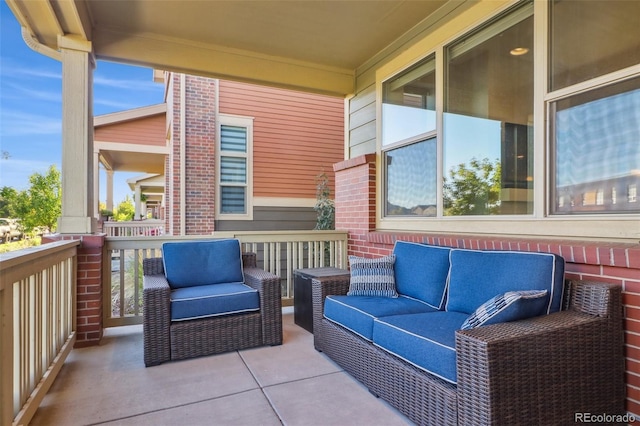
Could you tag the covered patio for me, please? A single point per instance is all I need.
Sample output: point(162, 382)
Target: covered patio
point(292, 384)
point(375, 55)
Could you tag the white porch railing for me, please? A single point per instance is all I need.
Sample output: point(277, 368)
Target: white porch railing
point(279, 252)
point(38, 330)
point(142, 228)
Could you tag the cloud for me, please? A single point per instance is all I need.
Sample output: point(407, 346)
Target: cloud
point(17, 123)
point(10, 69)
point(20, 92)
point(115, 104)
point(16, 173)
point(125, 84)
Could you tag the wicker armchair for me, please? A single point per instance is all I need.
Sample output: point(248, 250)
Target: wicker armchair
point(166, 340)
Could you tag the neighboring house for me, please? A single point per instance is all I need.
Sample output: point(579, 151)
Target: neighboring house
point(131, 141)
point(235, 156)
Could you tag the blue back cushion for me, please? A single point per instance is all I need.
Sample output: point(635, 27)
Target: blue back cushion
point(477, 276)
point(421, 271)
point(194, 263)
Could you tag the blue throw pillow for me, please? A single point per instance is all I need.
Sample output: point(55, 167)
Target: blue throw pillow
point(509, 306)
point(372, 277)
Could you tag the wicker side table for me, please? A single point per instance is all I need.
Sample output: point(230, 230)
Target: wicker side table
point(302, 303)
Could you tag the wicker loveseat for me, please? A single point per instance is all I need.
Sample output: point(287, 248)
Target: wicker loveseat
point(544, 369)
point(206, 297)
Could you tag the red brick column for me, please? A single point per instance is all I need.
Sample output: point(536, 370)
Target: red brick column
point(356, 201)
point(89, 286)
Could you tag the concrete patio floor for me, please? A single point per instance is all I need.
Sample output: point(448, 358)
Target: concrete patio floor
point(292, 384)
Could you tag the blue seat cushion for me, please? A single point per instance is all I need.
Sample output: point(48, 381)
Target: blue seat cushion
point(202, 262)
point(428, 341)
point(357, 313)
point(212, 300)
point(421, 271)
point(477, 276)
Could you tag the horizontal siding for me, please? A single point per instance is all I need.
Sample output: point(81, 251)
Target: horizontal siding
point(273, 219)
point(362, 123)
point(296, 136)
point(143, 131)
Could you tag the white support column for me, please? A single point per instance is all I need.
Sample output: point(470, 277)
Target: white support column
point(138, 203)
point(109, 201)
point(78, 193)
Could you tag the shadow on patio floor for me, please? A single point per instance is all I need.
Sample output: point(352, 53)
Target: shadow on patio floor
point(291, 384)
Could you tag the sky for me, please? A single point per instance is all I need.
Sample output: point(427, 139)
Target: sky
point(31, 107)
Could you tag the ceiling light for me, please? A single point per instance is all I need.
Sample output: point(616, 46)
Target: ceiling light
point(519, 51)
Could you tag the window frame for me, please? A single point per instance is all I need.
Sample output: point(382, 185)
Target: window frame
point(235, 121)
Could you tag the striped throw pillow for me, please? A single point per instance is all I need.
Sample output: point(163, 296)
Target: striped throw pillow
point(509, 306)
point(372, 277)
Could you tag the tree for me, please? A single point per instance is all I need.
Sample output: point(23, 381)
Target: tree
point(473, 189)
point(125, 210)
point(324, 206)
point(8, 200)
point(41, 204)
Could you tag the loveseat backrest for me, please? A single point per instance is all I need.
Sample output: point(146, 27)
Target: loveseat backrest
point(421, 271)
point(477, 276)
point(194, 263)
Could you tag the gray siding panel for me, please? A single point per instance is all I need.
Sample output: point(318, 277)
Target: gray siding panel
point(362, 123)
point(273, 219)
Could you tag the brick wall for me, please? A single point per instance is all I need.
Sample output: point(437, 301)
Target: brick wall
point(89, 287)
point(200, 151)
point(613, 263)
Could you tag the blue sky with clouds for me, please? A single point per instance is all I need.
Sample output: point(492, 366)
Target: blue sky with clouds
point(31, 106)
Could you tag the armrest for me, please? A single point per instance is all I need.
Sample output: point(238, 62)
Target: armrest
point(152, 266)
point(156, 319)
point(268, 286)
point(249, 260)
point(322, 287)
point(542, 370)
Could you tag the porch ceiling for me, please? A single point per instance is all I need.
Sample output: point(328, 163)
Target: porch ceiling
point(309, 45)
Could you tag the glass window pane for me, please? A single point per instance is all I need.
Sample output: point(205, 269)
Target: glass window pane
point(411, 179)
point(597, 150)
point(488, 138)
point(592, 38)
point(409, 103)
point(233, 169)
point(233, 200)
point(233, 138)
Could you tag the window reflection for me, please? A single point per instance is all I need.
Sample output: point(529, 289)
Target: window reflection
point(488, 141)
point(411, 179)
point(597, 150)
point(409, 103)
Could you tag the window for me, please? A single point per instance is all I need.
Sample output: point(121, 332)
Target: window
point(591, 38)
point(633, 193)
point(596, 140)
point(234, 160)
point(488, 118)
point(411, 179)
point(515, 129)
point(408, 125)
point(409, 103)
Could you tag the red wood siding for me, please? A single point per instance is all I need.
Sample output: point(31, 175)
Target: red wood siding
point(143, 131)
point(296, 136)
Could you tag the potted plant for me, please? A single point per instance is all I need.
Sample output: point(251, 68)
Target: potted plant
point(105, 214)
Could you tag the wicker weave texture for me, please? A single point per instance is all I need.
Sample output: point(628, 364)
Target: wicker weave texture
point(537, 371)
point(165, 340)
